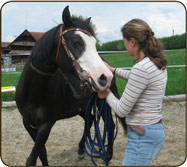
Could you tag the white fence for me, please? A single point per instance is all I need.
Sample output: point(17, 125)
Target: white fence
point(8, 69)
point(128, 68)
point(171, 66)
point(7, 90)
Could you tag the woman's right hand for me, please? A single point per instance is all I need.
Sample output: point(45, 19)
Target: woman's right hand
point(112, 69)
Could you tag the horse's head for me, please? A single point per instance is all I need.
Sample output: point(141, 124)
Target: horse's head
point(79, 43)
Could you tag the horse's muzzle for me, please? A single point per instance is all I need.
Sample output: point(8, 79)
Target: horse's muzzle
point(94, 86)
point(102, 80)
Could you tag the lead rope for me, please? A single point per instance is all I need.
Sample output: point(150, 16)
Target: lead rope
point(96, 145)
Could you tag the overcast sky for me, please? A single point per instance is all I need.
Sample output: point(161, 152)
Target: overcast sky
point(163, 17)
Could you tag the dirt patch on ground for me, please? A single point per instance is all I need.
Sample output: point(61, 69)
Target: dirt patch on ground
point(62, 144)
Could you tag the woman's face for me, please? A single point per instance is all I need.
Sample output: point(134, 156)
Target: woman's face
point(129, 45)
point(133, 48)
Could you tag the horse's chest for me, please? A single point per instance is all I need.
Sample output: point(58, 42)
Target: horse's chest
point(73, 107)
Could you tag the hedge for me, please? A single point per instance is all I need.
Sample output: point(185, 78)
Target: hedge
point(173, 42)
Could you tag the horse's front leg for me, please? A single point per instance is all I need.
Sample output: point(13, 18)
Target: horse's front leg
point(82, 141)
point(33, 133)
point(41, 138)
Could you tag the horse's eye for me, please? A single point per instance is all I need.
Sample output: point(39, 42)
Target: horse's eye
point(76, 44)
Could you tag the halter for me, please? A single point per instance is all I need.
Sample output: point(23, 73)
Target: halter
point(82, 73)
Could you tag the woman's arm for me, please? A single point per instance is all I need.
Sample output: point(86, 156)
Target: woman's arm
point(138, 80)
point(124, 74)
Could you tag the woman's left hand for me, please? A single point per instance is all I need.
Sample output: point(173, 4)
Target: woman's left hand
point(103, 94)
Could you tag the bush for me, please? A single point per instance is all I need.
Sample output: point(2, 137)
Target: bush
point(173, 42)
point(112, 46)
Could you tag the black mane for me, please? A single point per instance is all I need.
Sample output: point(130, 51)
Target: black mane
point(78, 23)
point(44, 49)
point(45, 44)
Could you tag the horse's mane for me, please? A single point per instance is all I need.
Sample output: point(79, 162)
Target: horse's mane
point(83, 25)
point(45, 44)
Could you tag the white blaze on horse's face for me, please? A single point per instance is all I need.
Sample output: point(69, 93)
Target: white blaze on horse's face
point(91, 62)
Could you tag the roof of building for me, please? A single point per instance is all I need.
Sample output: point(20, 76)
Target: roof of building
point(37, 35)
point(4, 44)
point(22, 44)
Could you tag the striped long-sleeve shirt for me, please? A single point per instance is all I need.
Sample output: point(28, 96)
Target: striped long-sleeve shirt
point(141, 101)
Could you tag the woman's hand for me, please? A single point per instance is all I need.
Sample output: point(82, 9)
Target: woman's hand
point(112, 69)
point(103, 94)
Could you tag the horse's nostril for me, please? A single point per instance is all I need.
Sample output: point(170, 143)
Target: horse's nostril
point(102, 80)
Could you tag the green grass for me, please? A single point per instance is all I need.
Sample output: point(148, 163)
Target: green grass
point(175, 57)
point(176, 76)
point(176, 81)
point(10, 96)
point(119, 59)
point(175, 85)
point(9, 79)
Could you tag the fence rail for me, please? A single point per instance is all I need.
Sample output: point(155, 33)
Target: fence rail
point(171, 66)
point(8, 70)
point(128, 68)
point(12, 69)
point(124, 51)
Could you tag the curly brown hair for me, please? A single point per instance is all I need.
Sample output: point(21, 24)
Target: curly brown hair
point(144, 36)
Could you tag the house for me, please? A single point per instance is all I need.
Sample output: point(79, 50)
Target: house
point(21, 47)
point(4, 47)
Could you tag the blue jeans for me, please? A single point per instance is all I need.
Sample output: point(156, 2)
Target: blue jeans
point(141, 150)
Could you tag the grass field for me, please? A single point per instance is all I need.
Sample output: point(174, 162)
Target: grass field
point(175, 57)
point(176, 76)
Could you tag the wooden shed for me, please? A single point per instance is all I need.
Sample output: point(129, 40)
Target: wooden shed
point(20, 48)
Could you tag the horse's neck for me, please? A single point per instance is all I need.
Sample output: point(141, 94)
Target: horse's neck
point(37, 72)
point(44, 52)
point(43, 66)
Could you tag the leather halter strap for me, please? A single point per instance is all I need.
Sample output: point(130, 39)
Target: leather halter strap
point(82, 73)
point(41, 72)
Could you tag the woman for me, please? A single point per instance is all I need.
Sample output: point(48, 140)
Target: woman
point(141, 101)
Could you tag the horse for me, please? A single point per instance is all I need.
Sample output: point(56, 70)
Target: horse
point(61, 73)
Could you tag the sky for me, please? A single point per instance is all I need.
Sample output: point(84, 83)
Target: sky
point(109, 17)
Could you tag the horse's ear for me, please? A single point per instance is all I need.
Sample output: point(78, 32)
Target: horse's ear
point(88, 20)
point(66, 16)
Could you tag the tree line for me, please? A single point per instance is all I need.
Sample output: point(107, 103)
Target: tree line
point(169, 43)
